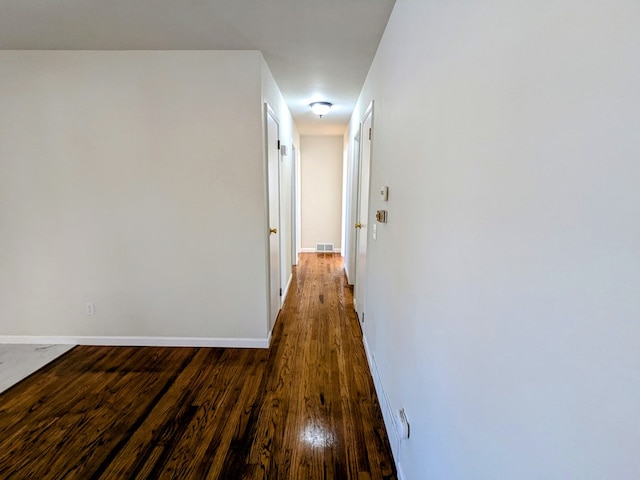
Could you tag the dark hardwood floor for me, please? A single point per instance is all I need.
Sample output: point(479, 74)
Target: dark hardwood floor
point(304, 409)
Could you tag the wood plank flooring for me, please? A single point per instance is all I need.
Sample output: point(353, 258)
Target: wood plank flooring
point(303, 409)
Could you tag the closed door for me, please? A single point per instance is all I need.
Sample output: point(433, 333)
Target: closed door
point(362, 222)
point(294, 205)
point(273, 174)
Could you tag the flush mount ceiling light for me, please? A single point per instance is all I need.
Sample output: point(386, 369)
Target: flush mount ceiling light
point(320, 108)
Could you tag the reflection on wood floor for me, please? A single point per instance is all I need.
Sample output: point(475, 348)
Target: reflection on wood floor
point(304, 409)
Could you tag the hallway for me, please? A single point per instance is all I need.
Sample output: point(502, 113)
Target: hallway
point(304, 409)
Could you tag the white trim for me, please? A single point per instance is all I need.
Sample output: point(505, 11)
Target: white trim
point(346, 272)
point(295, 204)
point(268, 111)
point(298, 207)
point(286, 290)
point(399, 471)
point(313, 250)
point(387, 412)
point(139, 341)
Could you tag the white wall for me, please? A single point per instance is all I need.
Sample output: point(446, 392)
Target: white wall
point(133, 180)
point(504, 293)
point(321, 159)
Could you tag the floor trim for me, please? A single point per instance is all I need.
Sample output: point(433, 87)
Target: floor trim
point(313, 250)
point(139, 341)
point(286, 291)
point(387, 412)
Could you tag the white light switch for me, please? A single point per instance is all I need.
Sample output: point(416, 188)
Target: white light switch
point(384, 193)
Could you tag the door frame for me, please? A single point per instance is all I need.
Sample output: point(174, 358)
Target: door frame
point(269, 112)
point(361, 279)
point(295, 214)
point(353, 193)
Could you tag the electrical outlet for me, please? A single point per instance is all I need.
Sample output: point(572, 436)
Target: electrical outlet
point(403, 424)
point(90, 308)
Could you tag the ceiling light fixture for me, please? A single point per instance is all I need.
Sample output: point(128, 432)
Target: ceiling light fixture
point(320, 108)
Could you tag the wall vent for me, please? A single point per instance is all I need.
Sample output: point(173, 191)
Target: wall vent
point(324, 247)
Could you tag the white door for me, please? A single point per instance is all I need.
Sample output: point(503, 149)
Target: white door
point(273, 178)
point(362, 217)
point(352, 233)
point(294, 205)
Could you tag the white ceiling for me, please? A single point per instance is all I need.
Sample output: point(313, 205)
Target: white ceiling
point(316, 49)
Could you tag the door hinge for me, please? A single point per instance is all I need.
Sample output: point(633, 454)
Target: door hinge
point(369, 134)
point(280, 292)
point(278, 144)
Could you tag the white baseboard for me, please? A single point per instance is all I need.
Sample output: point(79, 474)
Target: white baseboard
point(346, 272)
point(387, 411)
point(313, 250)
point(139, 341)
point(286, 290)
point(400, 472)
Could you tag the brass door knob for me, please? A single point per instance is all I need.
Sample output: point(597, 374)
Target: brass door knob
point(358, 225)
point(273, 230)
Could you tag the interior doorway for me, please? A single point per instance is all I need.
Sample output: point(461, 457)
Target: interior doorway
point(295, 213)
point(362, 216)
point(273, 183)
